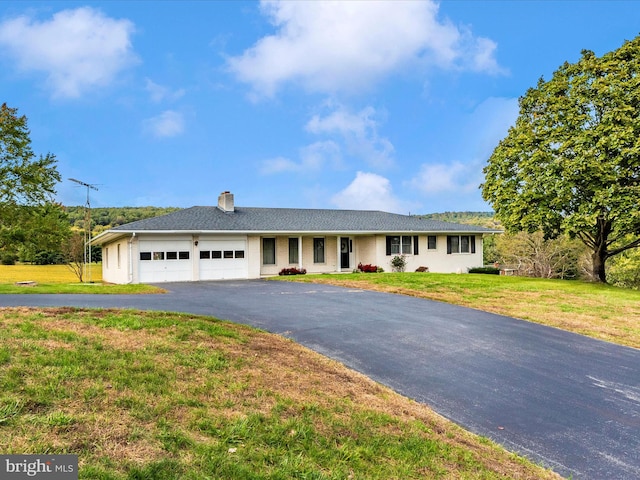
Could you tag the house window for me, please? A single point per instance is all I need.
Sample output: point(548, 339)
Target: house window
point(172, 255)
point(205, 254)
point(216, 254)
point(106, 257)
point(293, 250)
point(158, 255)
point(393, 245)
point(461, 244)
point(431, 242)
point(183, 255)
point(239, 253)
point(228, 254)
point(406, 245)
point(145, 255)
point(118, 251)
point(402, 244)
point(318, 250)
point(269, 251)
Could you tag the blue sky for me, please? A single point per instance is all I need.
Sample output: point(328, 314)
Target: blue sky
point(382, 105)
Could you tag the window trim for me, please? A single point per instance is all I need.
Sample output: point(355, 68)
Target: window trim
point(319, 245)
point(272, 241)
point(471, 244)
point(404, 248)
point(294, 249)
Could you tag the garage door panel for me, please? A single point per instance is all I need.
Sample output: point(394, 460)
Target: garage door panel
point(223, 259)
point(165, 261)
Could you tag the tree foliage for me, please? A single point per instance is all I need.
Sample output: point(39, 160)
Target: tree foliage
point(104, 218)
point(571, 163)
point(27, 183)
point(530, 254)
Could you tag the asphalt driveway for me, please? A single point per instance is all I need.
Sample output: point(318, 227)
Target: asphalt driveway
point(569, 402)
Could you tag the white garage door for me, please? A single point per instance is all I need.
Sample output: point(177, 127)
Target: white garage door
point(223, 259)
point(165, 261)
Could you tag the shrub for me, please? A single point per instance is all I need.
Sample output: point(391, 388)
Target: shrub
point(8, 259)
point(398, 263)
point(422, 269)
point(485, 270)
point(292, 271)
point(368, 268)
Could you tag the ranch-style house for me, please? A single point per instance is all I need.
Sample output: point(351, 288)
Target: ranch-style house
point(228, 242)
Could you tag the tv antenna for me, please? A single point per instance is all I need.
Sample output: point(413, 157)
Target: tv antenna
point(87, 229)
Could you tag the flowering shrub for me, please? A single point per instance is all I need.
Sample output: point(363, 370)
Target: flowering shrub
point(292, 271)
point(368, 268)
point(398, 263)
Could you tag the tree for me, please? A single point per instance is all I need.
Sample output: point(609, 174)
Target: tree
point(48, 227)
point(25, 181)
point(571, 162)
point(530, 254)
point(74, 249)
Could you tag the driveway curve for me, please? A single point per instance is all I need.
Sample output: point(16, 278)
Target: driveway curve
point(569, 402)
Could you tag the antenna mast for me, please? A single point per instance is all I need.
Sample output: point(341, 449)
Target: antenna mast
point(87, 228)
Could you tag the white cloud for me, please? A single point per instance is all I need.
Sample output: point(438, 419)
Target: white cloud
point(359, 131)
point(368, 191)
point(313, 158)
point(345, 46)
point(159, 93)
point(168, 124)
point(482, 130)
point(440, 178)
point(77, 50)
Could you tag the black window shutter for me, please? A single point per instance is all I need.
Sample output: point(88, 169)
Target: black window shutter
point(415, 244)
point(473, 244)
point(448, 244)
point(388, 245)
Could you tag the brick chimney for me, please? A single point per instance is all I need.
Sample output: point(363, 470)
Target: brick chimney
point(225, 202)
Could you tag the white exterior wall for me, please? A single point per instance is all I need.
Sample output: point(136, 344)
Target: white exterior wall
point(330, 255)
point(437, 261)
point(367, 249)
point(115, 262)
point(282, 255)
point(254, 256)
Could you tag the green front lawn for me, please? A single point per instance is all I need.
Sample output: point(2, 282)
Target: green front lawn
point(172, 396)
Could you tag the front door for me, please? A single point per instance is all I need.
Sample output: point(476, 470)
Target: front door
point(345, 251)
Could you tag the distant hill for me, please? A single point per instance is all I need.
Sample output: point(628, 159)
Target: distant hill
point(104, 218)
point(483, 219)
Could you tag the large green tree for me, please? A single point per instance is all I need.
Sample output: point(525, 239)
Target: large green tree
point(571, 162)
point(27, 181)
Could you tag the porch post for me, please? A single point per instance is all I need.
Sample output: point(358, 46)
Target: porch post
point(300, 252)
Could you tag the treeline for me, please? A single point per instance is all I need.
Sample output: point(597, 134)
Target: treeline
point(482, 219)
point(104, 218)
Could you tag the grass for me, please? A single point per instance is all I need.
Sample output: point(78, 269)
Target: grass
point(154, 395)
point(596, 310)
point(60, 279)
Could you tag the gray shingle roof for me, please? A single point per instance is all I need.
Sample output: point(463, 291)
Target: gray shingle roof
point(249, 219)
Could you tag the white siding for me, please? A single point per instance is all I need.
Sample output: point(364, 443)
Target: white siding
point(437, 261)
